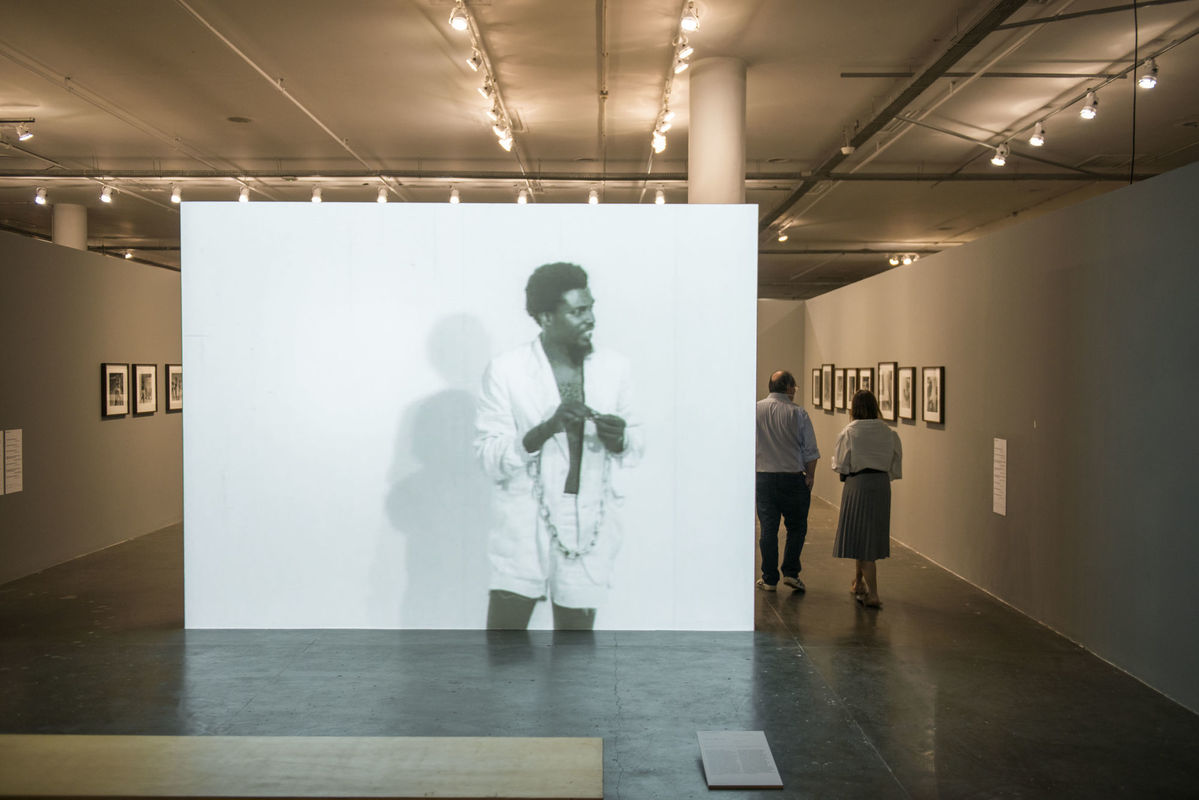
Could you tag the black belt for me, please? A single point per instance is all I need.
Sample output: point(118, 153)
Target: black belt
point(866, 471)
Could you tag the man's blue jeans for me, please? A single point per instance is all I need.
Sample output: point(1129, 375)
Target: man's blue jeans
point(782, 495)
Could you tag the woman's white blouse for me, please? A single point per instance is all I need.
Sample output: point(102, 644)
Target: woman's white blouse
point(868, 444)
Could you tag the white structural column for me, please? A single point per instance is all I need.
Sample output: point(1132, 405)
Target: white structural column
point(716, 141)
point(69, 225)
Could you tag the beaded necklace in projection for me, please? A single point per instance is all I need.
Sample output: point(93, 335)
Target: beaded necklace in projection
point(571, 390)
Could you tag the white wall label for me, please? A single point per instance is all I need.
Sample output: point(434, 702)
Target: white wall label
point(14, 478)
point(999, 478)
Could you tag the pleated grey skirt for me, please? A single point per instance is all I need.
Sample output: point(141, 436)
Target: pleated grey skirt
point(864, 529)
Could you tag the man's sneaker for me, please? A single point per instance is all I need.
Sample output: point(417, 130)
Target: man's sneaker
point(795, 583)
point(764, 586)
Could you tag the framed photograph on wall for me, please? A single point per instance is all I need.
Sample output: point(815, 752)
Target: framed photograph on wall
point(866, 379)
point(114, 390)
point(816, 388)
point(932, 394)
point(145, 388)
point(839, 388)
point(851, 386)
point(826, 387)
point(174, 382)
point(905, 392)
point(885, 390)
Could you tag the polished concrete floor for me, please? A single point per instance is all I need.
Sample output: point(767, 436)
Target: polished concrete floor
point(943, 693)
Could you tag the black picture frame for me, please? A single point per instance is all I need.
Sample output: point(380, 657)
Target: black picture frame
point(114, 390)
point(839, 388)
point(145, 389)
point(826, 387)
point(885, 389)
point(816, 387)
point(932, 394)
point(866, 380)
point(173, 384)
point(851, 385)
point(906, 392)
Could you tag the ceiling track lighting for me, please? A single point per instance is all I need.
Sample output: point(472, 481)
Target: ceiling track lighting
point(683, 48)
point(1038, 136)
point(455, 198)
point(459, 19)
point(690, 19)
point(903, 258)
point(106, 194)
point(593, 197)
point(1001, 155)
point(680, 66)
point(658, 142)
point(1091, 108)
point(475, 61)
point(244, 195)
point(1148, 78)
point(783, 235)
point(23, 133)
point(128, 254)
point(522, 197)
point(176, 194)
point(660, 198)
point(316, 194)
point(381, 197)
point(39, 196)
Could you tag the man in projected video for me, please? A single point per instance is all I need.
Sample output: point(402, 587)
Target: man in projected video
point(555, 430)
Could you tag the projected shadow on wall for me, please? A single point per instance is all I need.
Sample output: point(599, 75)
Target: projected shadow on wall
point(439, 503)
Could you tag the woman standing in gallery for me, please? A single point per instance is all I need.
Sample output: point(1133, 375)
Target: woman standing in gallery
point(868, 456)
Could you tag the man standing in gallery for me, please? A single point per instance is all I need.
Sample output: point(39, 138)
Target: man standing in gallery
point(555, 430)
point(786, 467)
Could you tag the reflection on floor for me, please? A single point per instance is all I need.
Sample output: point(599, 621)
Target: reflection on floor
point(943, 693)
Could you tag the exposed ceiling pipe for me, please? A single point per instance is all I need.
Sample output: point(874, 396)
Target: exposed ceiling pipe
point(1092, 12)
point(277, 83)
point(601, 52)
point(959, 49)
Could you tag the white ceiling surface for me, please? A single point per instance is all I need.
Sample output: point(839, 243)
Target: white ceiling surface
point(140, 92)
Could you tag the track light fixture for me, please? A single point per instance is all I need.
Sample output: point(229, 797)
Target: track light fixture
point(690, 20)
point(902, 258)
point(660, 198)
point(39, 196)
point(316, 194)
point(506, 141)
point(1038, 136)
point(684, 48)
point(493, 113)
point(176, 194)
point(381, 197)
point(459, 20)
point(680, 66)
point(783, 235)
point(1090, 108)
point(486, 89)
point(455, 198)
point(659, 142)
point(244, 195)
point(1149, 77)
point(1001, 154)
point(106, 194)
point(522, 197)
point(475, 61)
point(23, 133)
point(593, 197)
point(128, 254)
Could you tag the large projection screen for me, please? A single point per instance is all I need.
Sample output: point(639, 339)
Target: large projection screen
point(334, 356)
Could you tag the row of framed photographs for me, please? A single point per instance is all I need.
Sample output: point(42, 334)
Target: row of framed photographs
point(125, 387)
point(896, 390)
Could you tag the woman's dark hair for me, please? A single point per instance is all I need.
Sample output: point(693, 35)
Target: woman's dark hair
point(863, 405)
point(548, 283)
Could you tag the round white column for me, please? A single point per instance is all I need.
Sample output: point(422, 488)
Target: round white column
point(716, 138)
point(69, 225)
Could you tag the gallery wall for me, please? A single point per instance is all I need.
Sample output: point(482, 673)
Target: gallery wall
point(780, 343)
point(335, 356)
point(1072, 336)
point(88, 482)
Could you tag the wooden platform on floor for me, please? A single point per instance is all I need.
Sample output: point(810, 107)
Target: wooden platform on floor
point(299, 767)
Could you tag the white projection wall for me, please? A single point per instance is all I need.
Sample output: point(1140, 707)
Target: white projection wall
point(333, 356)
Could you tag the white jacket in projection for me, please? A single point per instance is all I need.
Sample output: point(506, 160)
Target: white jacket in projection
point(519, 392)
